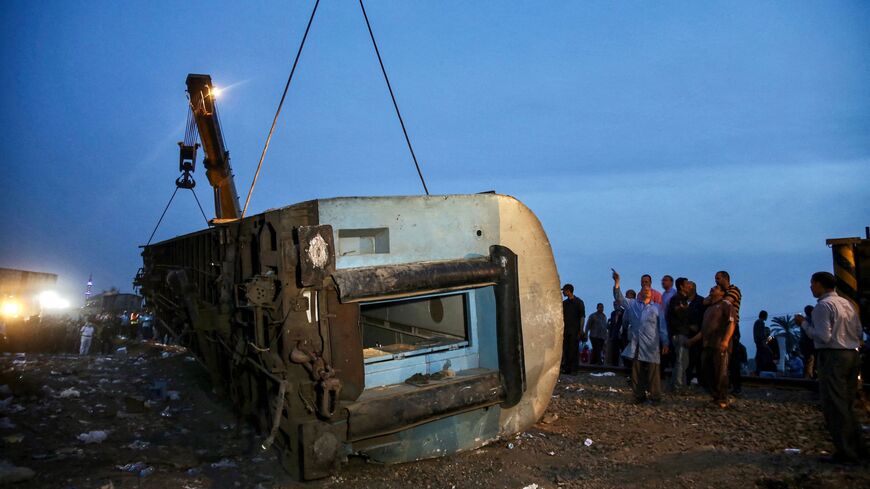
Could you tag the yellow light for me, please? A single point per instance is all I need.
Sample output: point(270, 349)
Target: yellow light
point(216, 92)
point(10, 308)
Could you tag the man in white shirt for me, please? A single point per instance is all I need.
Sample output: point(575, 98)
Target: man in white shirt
point(836, 333)
point(87, 334)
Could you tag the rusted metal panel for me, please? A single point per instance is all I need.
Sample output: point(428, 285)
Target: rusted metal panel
point(395, 408)
point(357, 284)
point(345, 339)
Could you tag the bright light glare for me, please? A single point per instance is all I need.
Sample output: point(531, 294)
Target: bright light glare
point(10, 308)
point(216, 92)
point(50, 300)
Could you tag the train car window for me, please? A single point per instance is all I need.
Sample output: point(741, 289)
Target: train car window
point(405, 326)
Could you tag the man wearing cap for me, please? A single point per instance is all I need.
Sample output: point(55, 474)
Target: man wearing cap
point(574, 314)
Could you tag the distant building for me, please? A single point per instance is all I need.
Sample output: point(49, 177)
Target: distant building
point(112, 302)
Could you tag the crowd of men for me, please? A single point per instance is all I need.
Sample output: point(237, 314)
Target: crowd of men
point(700, 338)
point(93, 334)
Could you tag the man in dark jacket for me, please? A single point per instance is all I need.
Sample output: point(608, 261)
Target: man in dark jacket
point(574, 314)
point(679, 333)
point(596, 331)
point(614, 328)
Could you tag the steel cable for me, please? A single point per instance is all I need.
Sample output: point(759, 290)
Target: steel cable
point(392, 96)
point(280, 105)
point(200, 206)
point(161, 216)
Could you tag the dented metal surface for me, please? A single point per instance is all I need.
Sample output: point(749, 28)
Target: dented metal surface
point(315, 314)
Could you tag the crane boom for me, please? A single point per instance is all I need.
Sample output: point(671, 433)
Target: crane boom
point(217, 158)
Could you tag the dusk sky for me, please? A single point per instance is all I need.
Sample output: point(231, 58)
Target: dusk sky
point(665, 137)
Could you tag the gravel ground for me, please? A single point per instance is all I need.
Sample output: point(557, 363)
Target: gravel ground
point(180, 435)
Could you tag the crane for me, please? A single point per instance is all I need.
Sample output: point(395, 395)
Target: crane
point(203, 117)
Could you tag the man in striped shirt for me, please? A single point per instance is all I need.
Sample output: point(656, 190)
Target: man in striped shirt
point(733, 294)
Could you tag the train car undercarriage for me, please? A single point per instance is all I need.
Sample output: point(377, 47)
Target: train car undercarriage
point(394, 328)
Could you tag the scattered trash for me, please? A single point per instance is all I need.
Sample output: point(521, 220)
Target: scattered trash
point(166, 413)
point(511, 446)
point(158, 389)
point(173, 395)
point(532, 486)
point(165, 354)
point(551, 453)
point(70, 392)
point(603, 374)
point(588, 442)
point(189, 359)
point(13, 439)
point(611, 389)
point(146, 471)
point(193, 472)
point(10, 473)
point(224, 464)
point(14, 408)
point(792, 451)
point(69, 452)
point(139, 445)
point(133, 405)
point(550, 418)
point(93, 436)
point(121, 352)
point(134, 467)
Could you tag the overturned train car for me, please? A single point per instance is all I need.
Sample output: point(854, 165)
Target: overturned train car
point(394, 328)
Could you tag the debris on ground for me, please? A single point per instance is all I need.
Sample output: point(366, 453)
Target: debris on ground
point(70, 392)
point(165, 427)
point(10, 473)
point(93, 436)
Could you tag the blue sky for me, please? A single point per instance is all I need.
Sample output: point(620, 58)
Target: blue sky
point(672, 137)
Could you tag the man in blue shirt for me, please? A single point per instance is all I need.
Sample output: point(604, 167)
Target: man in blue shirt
point(645, 338)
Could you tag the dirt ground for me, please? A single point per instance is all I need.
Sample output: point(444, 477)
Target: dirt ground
point(165, 429)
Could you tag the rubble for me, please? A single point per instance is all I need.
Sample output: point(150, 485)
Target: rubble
point(10, 473)
point(69, 392)
point(679, 443)
point(93, 436)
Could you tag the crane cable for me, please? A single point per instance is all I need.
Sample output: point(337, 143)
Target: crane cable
point(280, 105)
point(161, 216)
point(392, 96)
point(167, 208)
point(287, 86)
